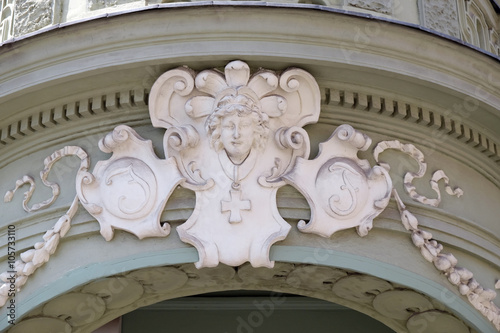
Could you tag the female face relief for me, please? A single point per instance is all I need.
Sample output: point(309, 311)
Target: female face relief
point(237, 136)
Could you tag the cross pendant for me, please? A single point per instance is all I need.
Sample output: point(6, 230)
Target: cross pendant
point(235, 205)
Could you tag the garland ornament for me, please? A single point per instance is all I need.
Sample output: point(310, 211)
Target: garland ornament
point(32, 259)
point(481, 298)
point(235, 138)
point(418, 156)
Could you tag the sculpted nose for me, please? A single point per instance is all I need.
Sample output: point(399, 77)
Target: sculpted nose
point(236, 132)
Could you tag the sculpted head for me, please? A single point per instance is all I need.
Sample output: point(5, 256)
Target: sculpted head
point(237, 125)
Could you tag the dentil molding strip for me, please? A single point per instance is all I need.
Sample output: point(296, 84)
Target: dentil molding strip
point(415, 113)
point(443, 122)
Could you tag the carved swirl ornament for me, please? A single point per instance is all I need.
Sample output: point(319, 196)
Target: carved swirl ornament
point(234, 139)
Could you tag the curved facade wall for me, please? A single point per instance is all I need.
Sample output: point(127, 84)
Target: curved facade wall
point(473, 22)
point(73, 83)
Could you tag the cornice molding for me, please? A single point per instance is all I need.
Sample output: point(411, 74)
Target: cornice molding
point(393, 42)
point(445, 65)
point(449, 122)
point(440, 127)
point(50, 122)
point(451, 133)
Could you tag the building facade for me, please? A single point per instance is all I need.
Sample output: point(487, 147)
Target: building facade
point(371, 181)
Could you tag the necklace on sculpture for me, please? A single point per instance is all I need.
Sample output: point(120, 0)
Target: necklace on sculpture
point(236, 204)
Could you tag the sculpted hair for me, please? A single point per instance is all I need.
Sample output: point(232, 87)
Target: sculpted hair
point(243, 107)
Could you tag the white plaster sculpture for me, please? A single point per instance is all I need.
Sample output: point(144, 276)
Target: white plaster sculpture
point(233, 136)
point(130, 190)
point(342, 190)
point(237, 120)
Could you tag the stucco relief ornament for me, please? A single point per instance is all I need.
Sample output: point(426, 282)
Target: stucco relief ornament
point(234, 136)
point(129, 191)
point(237, 138)
point(342, 190)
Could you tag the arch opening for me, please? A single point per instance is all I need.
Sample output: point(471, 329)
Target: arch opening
point(303, 287)
point(248, 311)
